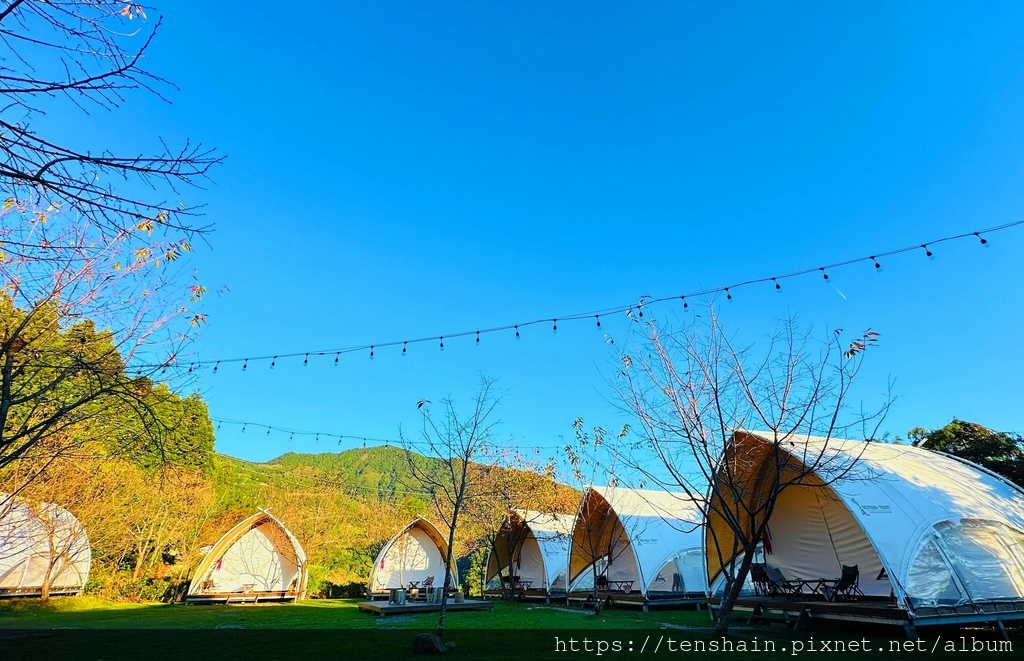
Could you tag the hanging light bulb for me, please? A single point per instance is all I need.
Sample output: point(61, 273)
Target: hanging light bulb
point(517, 331)
point(685, 304)
point(554, 325)
point(442, 342)
point(598, 317)
point(371, 352)
point(478, 338)
point(927, 252)
point(728, 296)
point(405, 346)
point(243, 428)
point(245, 364)
point(777, 285)
point(336, 356)
point(305, 361)
point(823, 274)
point(190, 367)
point(268, 431)
point(983, 240)
point(877, 265)
point(273, 362)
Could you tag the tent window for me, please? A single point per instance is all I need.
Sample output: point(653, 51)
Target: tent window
point(986, 556)
point(929, 581)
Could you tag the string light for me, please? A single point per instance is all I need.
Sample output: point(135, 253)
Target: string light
point(554, 325)
point(727, 290)
point(598, 317)
point(478, 338)
point(336, 357)
point(273, 362)
point(305, 361)
point(442, 343)
point(371, 352)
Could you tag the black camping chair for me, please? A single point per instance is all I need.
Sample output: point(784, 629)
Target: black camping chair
point(769, 581)
point(847, 587)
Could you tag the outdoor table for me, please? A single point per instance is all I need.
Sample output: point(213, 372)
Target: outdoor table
point(624, 586)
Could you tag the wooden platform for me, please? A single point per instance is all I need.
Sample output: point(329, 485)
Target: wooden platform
point(385, 608)
point(797, 613)
point(240, 597)
point(635, 599)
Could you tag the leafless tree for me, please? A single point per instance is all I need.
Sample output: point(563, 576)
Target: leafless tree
point(87, 56)
point(692, 388)
point(453, 445)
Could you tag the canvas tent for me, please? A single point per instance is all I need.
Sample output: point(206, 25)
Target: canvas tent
point(942, 537)
point(36, 538)
point(536, 545)
point(651, 538)
point(416, 553)
point(257, 560)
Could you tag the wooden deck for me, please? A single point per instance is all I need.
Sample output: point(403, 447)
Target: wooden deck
point(240, 597)
point(633, 598)
point(798, 613)
point(385, 608)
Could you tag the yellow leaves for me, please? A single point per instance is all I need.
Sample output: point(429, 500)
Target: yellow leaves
point(142, 254)
point(8, 203)
point(117, 266)
point(198, 319)
point(145, 226)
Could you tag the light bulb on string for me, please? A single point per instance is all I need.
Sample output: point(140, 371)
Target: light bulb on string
point(554, 325)
point(216, 366)
point(273, 362)
point(336, 357)
point(927, 252)
point(245, 365)
point(823, 274)
point(305, 361)
point(268, 431)
point(983, 240)
point(478, 338)
point(318, 438)
point(517, 331)
point(291, 437)
point(441, 341)
point(405, 346)
point(728, 296)
point(243, 428)
point(598, 318)
point(190, 367)
point(371, 352)
point(685, 304)
point(778, 287)
point(875, 260)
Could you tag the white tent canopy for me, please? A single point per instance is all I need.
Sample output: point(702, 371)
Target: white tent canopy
point(412, 556)
point(540, 549)
point(259, 557)
point(943, 536)
point(36, 538)
point(652, 538)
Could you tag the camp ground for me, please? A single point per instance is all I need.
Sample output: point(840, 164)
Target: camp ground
point(904, 535)
point(257, 560)
point(530, 555)
point(40, 542)
point(641, 547)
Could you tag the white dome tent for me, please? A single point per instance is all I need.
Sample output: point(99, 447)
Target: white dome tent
point(257, 560)
point(539, 553)
point(415, 554)
point(940, 537)
point(647, 546)
point(37, 539)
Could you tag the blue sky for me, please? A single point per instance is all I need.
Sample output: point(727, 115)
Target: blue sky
point(408, 169)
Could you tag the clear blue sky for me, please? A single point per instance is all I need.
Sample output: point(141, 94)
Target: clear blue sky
point(406, 169)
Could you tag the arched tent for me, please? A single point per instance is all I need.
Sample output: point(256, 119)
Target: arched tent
point(652, 539)
point(257, 560)
point(536, 544)
point(38, 538)
point(412, 556)
point(942, 537)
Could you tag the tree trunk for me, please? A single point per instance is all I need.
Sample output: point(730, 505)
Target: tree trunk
point(732, 591)
point(447, 575)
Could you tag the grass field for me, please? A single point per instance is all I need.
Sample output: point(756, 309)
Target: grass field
point(90, 628)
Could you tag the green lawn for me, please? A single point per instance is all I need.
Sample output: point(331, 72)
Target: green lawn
point(90, 628)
